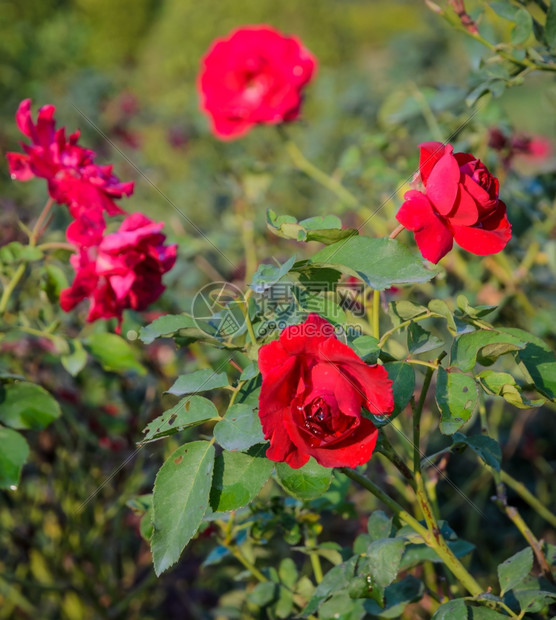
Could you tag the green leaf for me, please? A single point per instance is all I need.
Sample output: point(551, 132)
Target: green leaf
point(113, 353)
point(466, 310)
point(397, 596)
point(538, 359)
point(239, 429)
point(381, 263)
point(440, 308)
point(166, 326)
point(504, 385)
point(487, 448)
point(263, 593)
point(13, 454)
point(383, 559)
point(367, 348)
point(403, 310)
point(514, 570)
point(483, 346)
point(24, 405)
point(238, 478)
point(484, 613)
point(337, 607)
point(75, 361)
point(267, 275)
point(190, 411)
point(307, 482)
point(288, 572)
point(180, 499)
point(379, 525)
point(324, 229)
point(452, 610)
point(419, 340)
point(504, 9)
point(198, 381)
point(336, 579)
point(550, 25)
point(456, 397)
point(523, 26)
point(250, 371)
point(284, 604)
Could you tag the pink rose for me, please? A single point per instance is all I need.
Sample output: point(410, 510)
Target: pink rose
point(124, 271)
point(254, 76)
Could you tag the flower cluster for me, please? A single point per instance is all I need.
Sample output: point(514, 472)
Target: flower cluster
point(115, 271)
point(313, 391)
point(457, 201)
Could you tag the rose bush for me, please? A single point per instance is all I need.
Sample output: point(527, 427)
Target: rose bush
point(313, 390)
point(458, 202)
point(254, 76)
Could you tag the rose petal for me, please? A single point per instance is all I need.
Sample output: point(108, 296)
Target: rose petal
point(430, 153)
point(442, 183)
point(490, 237)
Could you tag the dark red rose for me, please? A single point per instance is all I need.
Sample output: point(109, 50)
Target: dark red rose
point(314, 388)
point(73, 178)
point(124, 271)
point(254, 76)
point(458, 202)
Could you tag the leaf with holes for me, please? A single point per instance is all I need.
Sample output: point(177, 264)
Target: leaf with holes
point(190, 411)
point(484, 346)
point(180, 499)
point(456, 397)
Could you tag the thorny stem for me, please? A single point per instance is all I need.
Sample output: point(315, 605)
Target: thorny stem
point(303, 164)
point(433, 538)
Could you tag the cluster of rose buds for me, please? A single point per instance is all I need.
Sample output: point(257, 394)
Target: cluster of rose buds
point(116, 271)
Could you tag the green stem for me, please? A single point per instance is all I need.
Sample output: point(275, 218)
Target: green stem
point(527, 496)
point(303, 164)
point(376, 315)
point(33, 238)
point(418, 410)
point(311, 544)
point(56, 245)
point(248, 323)
point(433, 539)
point(10, 287)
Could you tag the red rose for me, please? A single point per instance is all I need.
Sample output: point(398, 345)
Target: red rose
point(124, 271)
point(313, 390)
point(254, 76)
point(73, 178)
point(459, 201)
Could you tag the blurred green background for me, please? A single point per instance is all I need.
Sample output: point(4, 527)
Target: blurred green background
point(391, 74)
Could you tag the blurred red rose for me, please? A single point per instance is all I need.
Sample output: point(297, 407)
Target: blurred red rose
point(254, 76)
point(312, 393)
point(124, 271)
point(69, 169)
point(459, 201)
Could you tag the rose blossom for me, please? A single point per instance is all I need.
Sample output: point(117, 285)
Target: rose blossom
point(458, 201)
point(124, 271)
point(69, 169)
point(312, 393)
point(254, 76)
